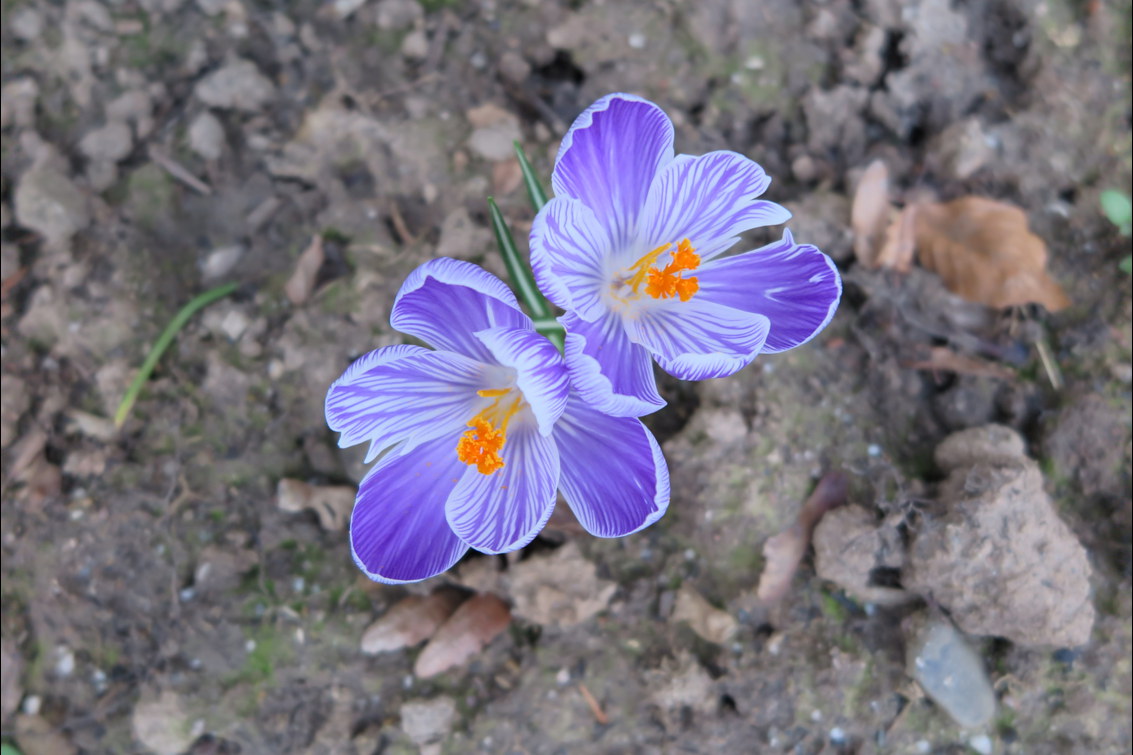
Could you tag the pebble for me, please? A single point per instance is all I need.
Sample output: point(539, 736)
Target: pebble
point(220, 261)
point(110, 143)
point(238, 85)
point(981, 743)
point(50, 204)
point(206, 136)
point(952, 674)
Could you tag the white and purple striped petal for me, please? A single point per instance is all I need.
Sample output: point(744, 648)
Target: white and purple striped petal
point(710, 200)
point(609, 157)
point(610, 372)
point(569, 253)
point(614, 477)
point(794, 285)
point(403, 394)
point(444, 301)
point(505, 510)
point(398, 530)
point(699, 339)
point(540, 372)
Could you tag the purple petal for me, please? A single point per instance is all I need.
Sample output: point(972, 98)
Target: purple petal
point(568, 255)
point(796, 286)
point(710, 200)
point(610, 372)
point(699, 339)
point(445, 301)
point(505, 510)
point(398, 531)
point(613, 474)
point(609, 158)
point(540, 372)
point(414, 395)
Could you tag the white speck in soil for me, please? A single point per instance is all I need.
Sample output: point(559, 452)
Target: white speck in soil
point(837, 735)
point(981, 743)
point(873, 450)
point(637, 41)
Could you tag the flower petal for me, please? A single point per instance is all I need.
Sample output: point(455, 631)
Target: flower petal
point(444, 301)
point(710, 200)
point(398, 531)
point(569, 249)
point(541, 374)
point(699, 339)
point(796, 286)
point(406, 394)
point(614, 477)
point(609, 158)
point(610, 372)
point(505, 510)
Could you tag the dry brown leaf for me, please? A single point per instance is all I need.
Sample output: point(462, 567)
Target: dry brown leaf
point(558, 589)
point(476, 623)
point(945, 359)
point(506, 177)
point(984, 252)
point(899, 242)
point(410, 621)
point(703, 618)
point(332, 504)
point(783, 553)
point(871, 213)
point(302, 281)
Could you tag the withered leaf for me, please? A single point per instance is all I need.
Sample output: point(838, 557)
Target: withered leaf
point(984, 252)
point(410, 621)
point(476, 623)
point(331, 503)
point(302, 281)
point(871, 213)
point(782, 553)
point(944, 359)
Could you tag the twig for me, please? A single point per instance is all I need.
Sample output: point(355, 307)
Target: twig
point(407, 238)
point(1052, 372)
point(599, 714)
point(178, 171)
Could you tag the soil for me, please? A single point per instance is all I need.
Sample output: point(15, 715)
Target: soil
point(157, 598)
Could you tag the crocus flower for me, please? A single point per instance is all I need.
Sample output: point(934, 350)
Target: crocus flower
point(632, 247)
point(479, 433)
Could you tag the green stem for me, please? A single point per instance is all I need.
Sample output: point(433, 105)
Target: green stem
point(548, 325)
point(162, 343)
point(519, 273)
point(535, 190)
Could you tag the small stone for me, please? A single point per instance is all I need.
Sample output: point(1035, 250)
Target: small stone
point(134, 107)
point(220, 262)
point(514, 68)
point(101, 175)
point(461, 237)
point(160, 723)
point(706, 620)
point(50, 204)
point(426, 721)
point(963, 148)
point(952, 674)
point(998, 557)
point(238, 85)
point(17, 103)
point(397, 15)
point(857, 553)
point(969, 402)
point(37, 736)
point(496, 141)
point(110, 143)
point(415, 46)
point(26, 24)
point(346, 8)
point(206, 136)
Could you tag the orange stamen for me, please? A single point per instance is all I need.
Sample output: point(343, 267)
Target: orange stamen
point(481, 445)
point(667, 282)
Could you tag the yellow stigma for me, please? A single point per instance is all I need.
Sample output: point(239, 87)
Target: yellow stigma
point(481, 446)
point(666, 282)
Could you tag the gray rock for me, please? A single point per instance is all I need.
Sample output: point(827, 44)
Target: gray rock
point(220, 261)
point(110, 143)
point(854, 551)
point(17, 103)
point(26, 23)
point(238, 85)
point(206, 136)
point(397, 15)
point(426, 721)
point(998, 557)
point(952, 674)
point(50, 204)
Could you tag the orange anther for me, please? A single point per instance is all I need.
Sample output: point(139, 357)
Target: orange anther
point(668, 282)
point(481, 446)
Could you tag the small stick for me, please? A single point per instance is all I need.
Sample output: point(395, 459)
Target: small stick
point(179, 171)
point(1052, 372)
point(599, 714)
point(399, 225)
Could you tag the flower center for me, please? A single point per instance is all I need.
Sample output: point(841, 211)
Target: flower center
point(481, 446)
point(661, 282)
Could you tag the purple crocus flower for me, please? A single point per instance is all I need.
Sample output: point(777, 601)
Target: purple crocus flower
point(632, 248)
point(479, 434)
